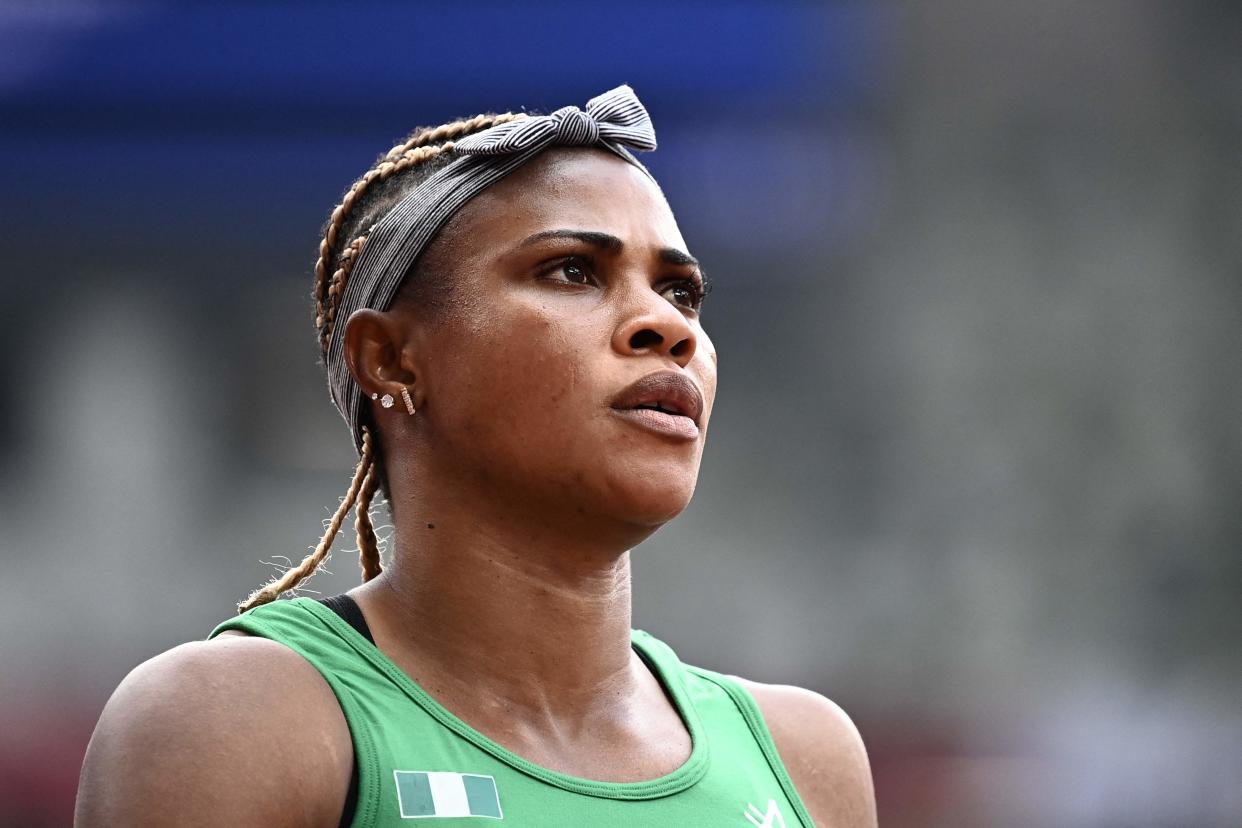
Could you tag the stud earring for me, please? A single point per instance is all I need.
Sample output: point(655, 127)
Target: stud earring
point(375, 395)
point(409, 404)
point(386, 401)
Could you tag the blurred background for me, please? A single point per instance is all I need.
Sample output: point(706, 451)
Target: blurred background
point(975, 466)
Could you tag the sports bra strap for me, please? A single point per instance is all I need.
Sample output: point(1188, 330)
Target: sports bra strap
point(350, 612)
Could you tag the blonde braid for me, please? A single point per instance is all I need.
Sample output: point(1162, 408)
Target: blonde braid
point(327, 300)
point(368, 544)
point(419, 147)
point(326, 319)
point(456, 129)
point(311, 562)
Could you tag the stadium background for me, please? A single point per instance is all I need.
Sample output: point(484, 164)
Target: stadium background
point(974, 469)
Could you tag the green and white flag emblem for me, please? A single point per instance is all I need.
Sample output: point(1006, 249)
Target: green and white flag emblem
point(446, 794)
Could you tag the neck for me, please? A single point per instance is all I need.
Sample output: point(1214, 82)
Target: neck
point(535, 615)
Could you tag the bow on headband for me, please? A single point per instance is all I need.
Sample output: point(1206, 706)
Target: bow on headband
point(616, 116)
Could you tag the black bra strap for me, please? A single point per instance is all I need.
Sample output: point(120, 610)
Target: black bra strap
point(347, 608)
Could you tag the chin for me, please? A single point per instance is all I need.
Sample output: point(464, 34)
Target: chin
point(651, 501)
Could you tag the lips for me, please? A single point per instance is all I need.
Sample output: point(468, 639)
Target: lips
point(666, 391)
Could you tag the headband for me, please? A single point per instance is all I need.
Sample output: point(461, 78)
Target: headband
point(613, 121)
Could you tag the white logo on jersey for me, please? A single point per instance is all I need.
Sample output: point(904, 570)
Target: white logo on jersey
point(771, 819)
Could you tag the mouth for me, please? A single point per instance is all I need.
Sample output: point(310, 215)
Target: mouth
point(662, 406)
point(665, 401)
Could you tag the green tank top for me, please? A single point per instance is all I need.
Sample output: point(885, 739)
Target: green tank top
point(415, 759)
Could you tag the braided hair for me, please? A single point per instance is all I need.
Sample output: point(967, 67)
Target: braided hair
point(364, 204)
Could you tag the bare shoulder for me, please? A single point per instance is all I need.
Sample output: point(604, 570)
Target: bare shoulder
point(823, 752)
point(234, 731)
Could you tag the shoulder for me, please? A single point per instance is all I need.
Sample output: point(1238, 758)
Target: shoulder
point(822, 750)
point(237, 731)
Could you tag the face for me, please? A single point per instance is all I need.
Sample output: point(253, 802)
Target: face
point(573, 283)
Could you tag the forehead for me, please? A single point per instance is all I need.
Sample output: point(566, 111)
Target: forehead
point(577, 188)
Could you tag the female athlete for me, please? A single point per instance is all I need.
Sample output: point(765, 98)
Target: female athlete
point(510, 323)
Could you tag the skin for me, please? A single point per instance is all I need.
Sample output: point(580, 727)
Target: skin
point(516, 476)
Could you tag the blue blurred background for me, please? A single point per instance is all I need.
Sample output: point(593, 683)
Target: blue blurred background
point(975, 465)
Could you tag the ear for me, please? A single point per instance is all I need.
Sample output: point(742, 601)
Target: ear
point(379, 352)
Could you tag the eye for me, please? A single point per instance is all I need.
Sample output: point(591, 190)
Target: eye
point(574, 270)
point(687, 293)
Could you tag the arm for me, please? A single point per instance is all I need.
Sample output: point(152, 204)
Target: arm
point(823, 753)
point(237, 731)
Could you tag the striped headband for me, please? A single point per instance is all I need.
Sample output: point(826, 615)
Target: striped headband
point(613, 121)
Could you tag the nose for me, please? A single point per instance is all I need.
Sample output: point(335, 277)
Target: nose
point(653, 325)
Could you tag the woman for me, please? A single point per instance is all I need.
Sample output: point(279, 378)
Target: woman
point(510, 322)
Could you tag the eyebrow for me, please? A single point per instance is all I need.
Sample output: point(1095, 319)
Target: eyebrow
point(610, 243)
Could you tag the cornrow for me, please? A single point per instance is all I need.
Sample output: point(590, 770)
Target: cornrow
point(326, 319)
point(364, 203)
point(421, 146)
point(327, 302)
point(448, 132)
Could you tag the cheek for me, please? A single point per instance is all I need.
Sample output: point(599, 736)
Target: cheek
point(705, 370)
point(520, 378)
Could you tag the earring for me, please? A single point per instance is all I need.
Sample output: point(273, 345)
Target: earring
point(375, 395)
point(409, 404)
point(386, 401)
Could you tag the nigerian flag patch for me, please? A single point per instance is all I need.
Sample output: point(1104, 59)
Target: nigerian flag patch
point(446, 794)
